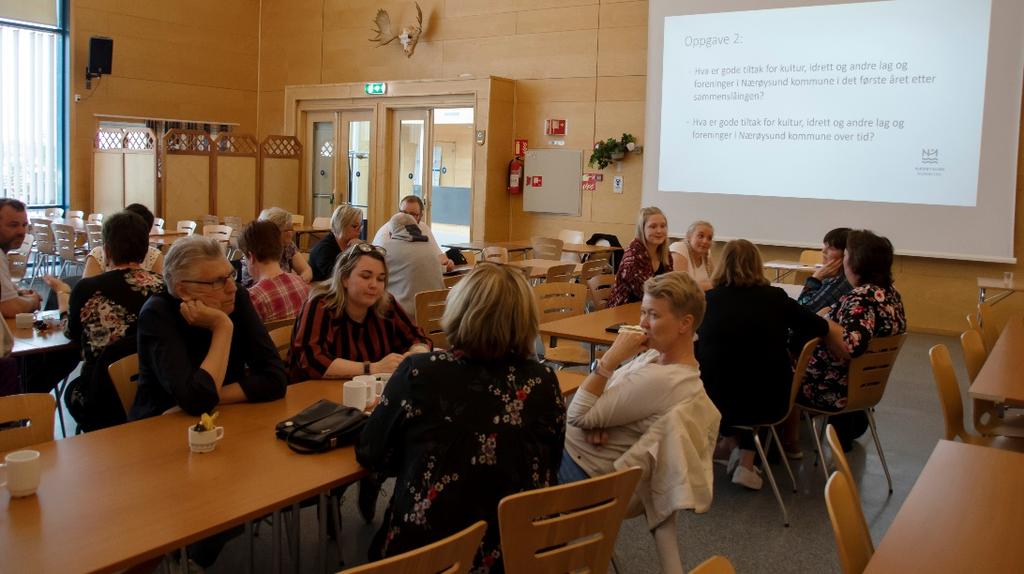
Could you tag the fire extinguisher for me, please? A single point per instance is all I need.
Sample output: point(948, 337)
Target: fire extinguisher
point(515, 176)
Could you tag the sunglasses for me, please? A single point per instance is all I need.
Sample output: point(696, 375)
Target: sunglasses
point(361, 248)
point(218, 283)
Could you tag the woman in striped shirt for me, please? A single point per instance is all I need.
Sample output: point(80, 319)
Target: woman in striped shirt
point(351, 325)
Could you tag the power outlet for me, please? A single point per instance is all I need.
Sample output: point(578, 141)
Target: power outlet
point(617, 184)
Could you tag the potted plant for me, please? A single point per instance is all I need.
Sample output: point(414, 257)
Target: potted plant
point(611, 149)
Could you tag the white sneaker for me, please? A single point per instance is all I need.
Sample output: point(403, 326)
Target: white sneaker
point(734, 461)
point(748, 478)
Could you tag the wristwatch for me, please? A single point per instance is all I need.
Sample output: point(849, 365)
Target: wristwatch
point(366, 367)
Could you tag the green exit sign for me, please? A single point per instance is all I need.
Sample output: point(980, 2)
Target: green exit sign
point(375, 88)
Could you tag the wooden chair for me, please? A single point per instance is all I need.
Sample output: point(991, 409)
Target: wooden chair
point(714, 565)
point(17, 266)
point(986, 324)
point(866, 379)
point(430, 306)
point(565, 528)
point(853, 538)
point(495, 254)
point(44, 250)
point(222, 233)
point(592, 269)
point(546, 248)
point(298, 220)
point(95, 217)
point(451, 555)
point(54, 213)
point(560, 273)
point(558, 301)
point(94, 231)
point(208, 219)
point(600, 289)
point(321, 223)
point(75, 214)
point(451, 280)
point(794, 387)
point(470, 256)
point(807, 257)
point(571, 236)
point(953, 407)
point(125, 375)
point(842, 465)
point(987, 416)
point(158, 223)
point(37, 408)
point(282, 339)
point(186, 225)
point(64, 243)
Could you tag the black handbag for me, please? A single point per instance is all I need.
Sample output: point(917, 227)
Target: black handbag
point(322, 426)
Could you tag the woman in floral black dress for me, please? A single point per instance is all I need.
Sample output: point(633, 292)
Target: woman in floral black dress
point(872, 309)
point(101, 314)
point(463, 428)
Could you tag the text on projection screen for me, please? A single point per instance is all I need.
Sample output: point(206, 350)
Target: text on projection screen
point(826, 102)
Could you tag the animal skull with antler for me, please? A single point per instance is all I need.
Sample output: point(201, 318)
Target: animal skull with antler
point(408, 36)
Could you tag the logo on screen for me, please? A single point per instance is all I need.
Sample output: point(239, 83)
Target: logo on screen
point(930, 156)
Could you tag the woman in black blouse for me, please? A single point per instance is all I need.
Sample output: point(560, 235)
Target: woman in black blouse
point(465, 427)
point(201, 343)
point(742, 350)
point(101, 313)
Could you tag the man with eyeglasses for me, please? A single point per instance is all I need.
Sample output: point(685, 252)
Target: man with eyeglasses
point(413, 205)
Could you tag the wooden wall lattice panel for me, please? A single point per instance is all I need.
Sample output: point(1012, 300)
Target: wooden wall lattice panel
point(280, 173)
point(187, 175)
point(124, 168)
point(236, 176)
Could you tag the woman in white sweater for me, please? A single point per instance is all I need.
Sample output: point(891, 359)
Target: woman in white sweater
point(622, 398)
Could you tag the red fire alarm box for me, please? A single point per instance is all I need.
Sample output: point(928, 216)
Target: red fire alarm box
point(555, 128)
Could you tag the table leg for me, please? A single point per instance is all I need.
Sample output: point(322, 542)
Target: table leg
point(248, 546)
point(593, 355)
point(297, 538)
point(275, 542)
point(321, 508)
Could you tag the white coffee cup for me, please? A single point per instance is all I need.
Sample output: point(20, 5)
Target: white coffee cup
point(20, 472)
point(357, 393)
point(24, 320)
point(376, 381)
point(204, 441)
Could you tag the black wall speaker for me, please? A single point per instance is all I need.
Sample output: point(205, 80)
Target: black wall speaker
point(101, 55)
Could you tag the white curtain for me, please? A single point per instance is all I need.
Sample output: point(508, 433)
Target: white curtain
point(29, 150)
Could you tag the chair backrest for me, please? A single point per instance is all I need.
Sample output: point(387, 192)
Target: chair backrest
point(451, 555)
point(64, 240)
point(568, 527)
point(972, 321)
point(125, 375)
point(209, 219)
point(853, 538)
point(430, 306)
point(54, 213)
point(17, 265)
point(571, 236)
point(546, 248)
point(807, 257)
point(974, 352)
point(495, 254)
point(37, 408)
point(298, 219)
point(282, 339)
point(592, 268)
point(97, 217)
point(186, 225)
point(26, 245)
point(75, 214)
point(321, 223)
point(949, 393)
point(842, 465)
point(234, 222)
point(40, 229)
point(560, 273)
point(869, 373)
point(559, 300)
point(799, 372)
point(714, 565)
point(987, 323)
point(470, 256)
point(94, 231)
point(219, 232)
point(158, 223)
point(600, 288)
point(451, 280)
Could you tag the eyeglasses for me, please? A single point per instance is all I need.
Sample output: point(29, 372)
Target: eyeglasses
point(365, 248)
point(218, 283)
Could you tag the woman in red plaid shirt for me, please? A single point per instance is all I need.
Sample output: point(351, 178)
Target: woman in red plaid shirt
point(275, 294)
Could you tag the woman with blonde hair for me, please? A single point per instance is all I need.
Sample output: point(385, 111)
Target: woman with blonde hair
point(292, 260)
point(346, 224)
point(743, 353)
point(693, 254)
point(646, 256)
point(351, 325)
point(463, 428)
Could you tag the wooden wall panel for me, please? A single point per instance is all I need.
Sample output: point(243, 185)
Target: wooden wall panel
point(108, 170)
point(187, 181)
point(140, 179)
point(281, 183)
point(236, 187)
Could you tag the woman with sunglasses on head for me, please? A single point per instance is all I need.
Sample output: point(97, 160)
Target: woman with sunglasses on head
point(201, 343)
point(351, 325)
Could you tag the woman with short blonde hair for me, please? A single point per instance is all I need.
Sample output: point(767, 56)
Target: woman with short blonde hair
point(645, 257)
point(346, 225)
point(693, 254)
point(465, 427)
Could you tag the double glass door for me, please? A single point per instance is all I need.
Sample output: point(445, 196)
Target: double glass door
point(340, 166)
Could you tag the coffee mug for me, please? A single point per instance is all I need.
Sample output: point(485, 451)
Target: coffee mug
point(24, 320)
point(20, 472)
point(375, 381)
point(204, 441)
point(357, 393)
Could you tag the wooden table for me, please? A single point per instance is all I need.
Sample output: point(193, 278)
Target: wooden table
point(1001, 378)
point(30, 341)
point(166, 238)
point(511, 246)
point(1005, 289)
point(584, 249)
point(792, 290)
point(539, 267)
point(569, 381)
point(300, 230)
point(120, 496)
point(784, 268)
point(590, 327)
point(964, 514)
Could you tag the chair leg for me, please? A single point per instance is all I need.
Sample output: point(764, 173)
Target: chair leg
point(817, 444)
point(771, 478)
point(878, 445)
point(785, 460)
point(59, 392)
point(615, 564)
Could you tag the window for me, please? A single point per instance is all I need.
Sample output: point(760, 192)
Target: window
point(32, 101)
